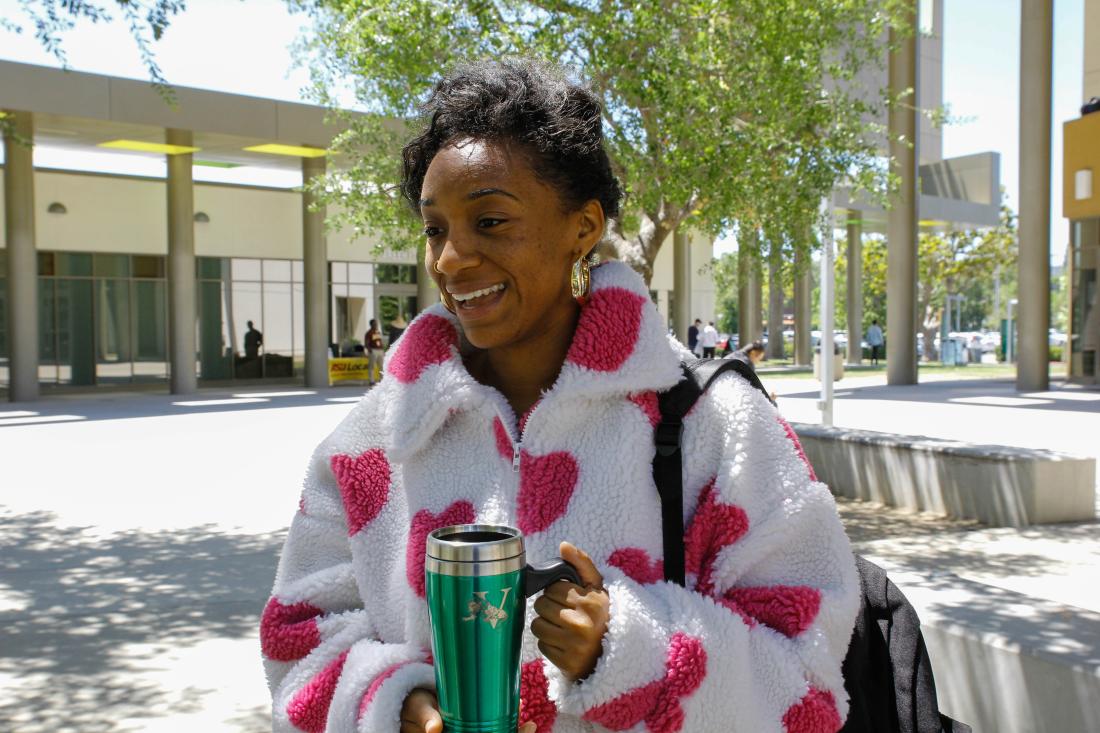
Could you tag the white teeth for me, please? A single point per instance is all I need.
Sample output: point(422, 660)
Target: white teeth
point(478, 293)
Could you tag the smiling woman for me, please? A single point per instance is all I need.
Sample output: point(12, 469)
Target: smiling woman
point(528, 398)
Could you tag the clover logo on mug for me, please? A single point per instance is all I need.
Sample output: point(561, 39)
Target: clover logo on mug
point(490, 614)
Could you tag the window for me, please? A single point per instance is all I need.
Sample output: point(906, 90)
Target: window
point(405, 274)
point(102, 318)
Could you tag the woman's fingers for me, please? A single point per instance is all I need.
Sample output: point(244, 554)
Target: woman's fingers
point(548, 607)
point(550, 633)
point(528, 728)
point(420, 713)
point(579, 559)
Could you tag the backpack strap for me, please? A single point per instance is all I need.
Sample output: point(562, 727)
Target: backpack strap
point(675, 404)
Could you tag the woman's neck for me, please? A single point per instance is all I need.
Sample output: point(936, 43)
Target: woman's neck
point(524, 370)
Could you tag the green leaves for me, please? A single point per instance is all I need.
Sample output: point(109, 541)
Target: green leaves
point(716, 111)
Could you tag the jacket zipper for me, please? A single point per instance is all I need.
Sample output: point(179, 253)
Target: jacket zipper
point(517, 447)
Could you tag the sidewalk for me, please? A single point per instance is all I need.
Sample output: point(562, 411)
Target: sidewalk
point(140, 535)
point(1011, 617)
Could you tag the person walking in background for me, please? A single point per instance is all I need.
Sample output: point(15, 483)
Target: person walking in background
point(753, 354)
point(875, 341)
point(693, 337)
point(397, 327)
point(372, 342)
point(709, 340)
point(253, 340)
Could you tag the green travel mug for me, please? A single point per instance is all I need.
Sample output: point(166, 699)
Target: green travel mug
point(478, 582)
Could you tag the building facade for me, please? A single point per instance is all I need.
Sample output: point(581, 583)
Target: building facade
point(1081, 205)
point(127, 279)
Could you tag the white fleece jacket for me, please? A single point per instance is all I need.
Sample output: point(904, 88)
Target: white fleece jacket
point(753, 644)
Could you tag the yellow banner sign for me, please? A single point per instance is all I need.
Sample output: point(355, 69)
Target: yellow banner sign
point(352, 369)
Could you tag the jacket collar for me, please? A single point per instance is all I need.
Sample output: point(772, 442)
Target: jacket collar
point(620, 346)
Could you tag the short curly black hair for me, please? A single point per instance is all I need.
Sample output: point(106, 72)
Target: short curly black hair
point(555, 122)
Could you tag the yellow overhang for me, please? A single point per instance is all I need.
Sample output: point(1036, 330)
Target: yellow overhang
point(146, 147)
point(298, 151)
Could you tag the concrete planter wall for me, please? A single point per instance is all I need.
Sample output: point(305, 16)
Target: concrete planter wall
point(997, 485)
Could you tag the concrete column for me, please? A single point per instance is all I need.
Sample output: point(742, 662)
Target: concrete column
point(803, 317)
point(901, 249)
point(315, 273)
point(775, 300)
point(181, 267)
point(855, 288)
point(681, 283)
point(749, 291)
point(757, 284)
point(427, 292)
point(1036, 33)
point(22, 258)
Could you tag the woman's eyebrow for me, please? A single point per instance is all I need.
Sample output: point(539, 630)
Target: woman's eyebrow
point(489, 192)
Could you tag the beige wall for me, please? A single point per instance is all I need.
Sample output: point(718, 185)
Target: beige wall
point(123, 214)
point(1092, 49)
point(702, 283)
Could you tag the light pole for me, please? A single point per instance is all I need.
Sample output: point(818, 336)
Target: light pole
point(827, 306)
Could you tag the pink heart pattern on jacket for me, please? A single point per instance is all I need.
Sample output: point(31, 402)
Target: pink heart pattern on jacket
point(635, 563)
point(364, 482)
point(423, 523)
point(658, 703)
point(546, 484)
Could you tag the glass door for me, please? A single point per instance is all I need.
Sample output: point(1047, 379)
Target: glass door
point(394, 310)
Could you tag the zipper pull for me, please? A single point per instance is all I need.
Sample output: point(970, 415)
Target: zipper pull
point(515, 457)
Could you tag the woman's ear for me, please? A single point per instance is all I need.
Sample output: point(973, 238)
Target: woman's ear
point(590, 228)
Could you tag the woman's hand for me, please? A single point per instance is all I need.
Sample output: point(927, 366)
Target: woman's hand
point(572, 620)
point(420, 714)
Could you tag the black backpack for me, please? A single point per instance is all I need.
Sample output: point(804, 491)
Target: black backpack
point(887, 673)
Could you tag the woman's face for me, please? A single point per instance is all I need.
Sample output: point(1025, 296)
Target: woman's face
point(496, 231)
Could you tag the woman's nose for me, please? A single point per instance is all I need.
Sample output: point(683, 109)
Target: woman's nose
point(456, 256)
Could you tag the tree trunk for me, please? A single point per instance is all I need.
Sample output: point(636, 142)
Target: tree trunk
point(775, 302)
point(930, 330)
point(640, 251)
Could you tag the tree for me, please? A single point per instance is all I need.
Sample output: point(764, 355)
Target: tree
point(725, 272)
point(50, 19)
point(715, 110)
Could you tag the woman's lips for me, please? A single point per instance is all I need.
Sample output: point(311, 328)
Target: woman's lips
point(479, 308)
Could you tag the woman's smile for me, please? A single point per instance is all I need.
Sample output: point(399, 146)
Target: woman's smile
point(477, 304)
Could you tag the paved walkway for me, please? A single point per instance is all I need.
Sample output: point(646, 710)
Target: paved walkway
point(139, 536)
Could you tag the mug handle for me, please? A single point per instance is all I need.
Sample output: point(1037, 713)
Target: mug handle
point(537, 577)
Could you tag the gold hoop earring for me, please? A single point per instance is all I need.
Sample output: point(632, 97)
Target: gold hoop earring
point(580, 280)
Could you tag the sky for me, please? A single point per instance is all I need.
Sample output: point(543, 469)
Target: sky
point(242, 46)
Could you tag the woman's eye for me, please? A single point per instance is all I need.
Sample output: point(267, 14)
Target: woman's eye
point(487, 222)
point(430, 231)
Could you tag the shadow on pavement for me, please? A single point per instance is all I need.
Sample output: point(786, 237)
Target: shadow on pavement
point(91, 623)
point(866, 521)
point(127, 405)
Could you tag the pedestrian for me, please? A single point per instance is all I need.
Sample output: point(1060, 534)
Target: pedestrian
point(875, 341)
point(510, 403)
point(753, 354)
point(372, 343)
point(693, 337)
point(397, 327)
point(253, 340)
point(708, 339)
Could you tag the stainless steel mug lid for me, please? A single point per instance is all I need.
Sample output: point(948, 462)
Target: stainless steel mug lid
point(475, 543)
